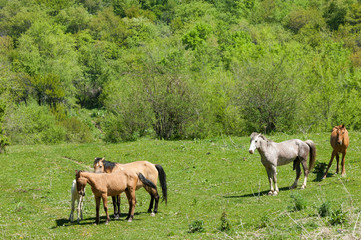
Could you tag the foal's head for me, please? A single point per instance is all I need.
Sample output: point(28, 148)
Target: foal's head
point(340, 130)
point(80, 182)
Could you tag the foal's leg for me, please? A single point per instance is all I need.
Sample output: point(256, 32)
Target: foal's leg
point(114, 200)
point(105, 205)
point(97, 206)
point(298, 174)
point(330, 163)
point(131, 200)
point(343, 172)
point(118, 206)
point(71, 218)
point(78, 209)
point(81, 207)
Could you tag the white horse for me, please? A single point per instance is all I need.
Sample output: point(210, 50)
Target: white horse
point(75, 196)
point(276, 154)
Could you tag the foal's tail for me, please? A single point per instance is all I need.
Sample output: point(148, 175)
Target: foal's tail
point(163, 181)
point(312, 147)
point(146, 181)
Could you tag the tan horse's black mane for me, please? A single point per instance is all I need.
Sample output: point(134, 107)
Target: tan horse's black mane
point(107, 164)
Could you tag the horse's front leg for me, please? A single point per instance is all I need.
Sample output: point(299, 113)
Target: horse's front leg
point(79, 208)
point(337, 160)
point(274, 172)
point(270, 177)
point(71, 218)
point(343, 171)
point(105, 205)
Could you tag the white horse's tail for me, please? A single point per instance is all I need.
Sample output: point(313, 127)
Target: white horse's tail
point(312, 160)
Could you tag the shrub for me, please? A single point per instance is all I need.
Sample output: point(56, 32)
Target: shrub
point(33, 124)
point(196, 226)
point(76, 130)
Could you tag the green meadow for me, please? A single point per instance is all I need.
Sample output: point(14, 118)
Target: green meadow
point(207, 179)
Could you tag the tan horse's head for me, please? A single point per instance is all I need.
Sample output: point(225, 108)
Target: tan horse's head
point(99, 165)
point(80, 183)
point(341, 131)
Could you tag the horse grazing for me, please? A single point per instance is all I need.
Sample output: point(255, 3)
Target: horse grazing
point(151, 171)
point(79, 198)
point(113, 184)
point(339, 142)
point(276, 154)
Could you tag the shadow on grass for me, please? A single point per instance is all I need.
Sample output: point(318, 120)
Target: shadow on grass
point(319, 170)
point(256, 194)
point(64, 222)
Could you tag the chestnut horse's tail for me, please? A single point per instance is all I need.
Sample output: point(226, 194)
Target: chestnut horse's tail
point(163, 181)
point(312, 160)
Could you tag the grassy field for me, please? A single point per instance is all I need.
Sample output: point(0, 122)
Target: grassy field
point(206, 179)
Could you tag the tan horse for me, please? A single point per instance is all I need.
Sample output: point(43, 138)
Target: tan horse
point(151, 171)
point(339, 142)
point(113, 184)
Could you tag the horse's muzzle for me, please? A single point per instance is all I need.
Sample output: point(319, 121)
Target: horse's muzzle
point(81, 193)
point(251, 151)
point(339, 142)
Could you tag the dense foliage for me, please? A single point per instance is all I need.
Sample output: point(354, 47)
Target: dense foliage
point(116, 70)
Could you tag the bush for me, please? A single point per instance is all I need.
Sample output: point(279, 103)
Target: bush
point(33, 124)
point(76, 130)
point(225, 224)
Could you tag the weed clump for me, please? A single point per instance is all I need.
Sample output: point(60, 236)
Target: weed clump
point(225, 224)
point(325, 209)
point(338, 217)
point(196, 226)
point(298, 203)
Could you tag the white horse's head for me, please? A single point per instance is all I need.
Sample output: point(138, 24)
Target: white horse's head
point(254, 142)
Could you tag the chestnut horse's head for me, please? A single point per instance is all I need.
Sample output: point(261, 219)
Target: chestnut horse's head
point(80, 183)
point(99, 165)
point(340, 130)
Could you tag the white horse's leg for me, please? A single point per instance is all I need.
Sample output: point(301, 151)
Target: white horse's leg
point(305, 171)
point(298, 174)
point(274, 173)
point(269, 173)
point(81, 207)
point(71, 217)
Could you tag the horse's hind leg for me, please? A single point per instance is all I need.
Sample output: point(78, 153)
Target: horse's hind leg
point(298, 174)
point(71, 216)
point(114, 200)
point(306, 171)
point(151, 203)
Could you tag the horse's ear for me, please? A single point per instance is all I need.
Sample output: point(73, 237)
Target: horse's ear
point(102, 159)
point(343, 126)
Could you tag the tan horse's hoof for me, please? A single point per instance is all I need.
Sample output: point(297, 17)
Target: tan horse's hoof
point(270, 193)
point(152, 214)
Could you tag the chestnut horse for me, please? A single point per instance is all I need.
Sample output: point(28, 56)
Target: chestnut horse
point(275, 154)
point(113, 184)
point(151, 171)
point(339, 142)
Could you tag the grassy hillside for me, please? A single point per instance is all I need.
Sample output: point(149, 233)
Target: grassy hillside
point(205, 179)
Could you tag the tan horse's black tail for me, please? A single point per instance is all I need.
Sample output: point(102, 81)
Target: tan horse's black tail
point(163, 181)
point(312, 160)
point(146, 181)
